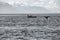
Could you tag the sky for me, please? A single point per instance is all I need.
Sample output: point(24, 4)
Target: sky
point(52, 5)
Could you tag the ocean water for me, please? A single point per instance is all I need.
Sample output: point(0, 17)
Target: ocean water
point(29, 27)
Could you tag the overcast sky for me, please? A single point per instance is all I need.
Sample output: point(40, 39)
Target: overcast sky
point(53, 5)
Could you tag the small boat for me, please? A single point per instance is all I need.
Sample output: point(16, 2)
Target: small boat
point(30, 16)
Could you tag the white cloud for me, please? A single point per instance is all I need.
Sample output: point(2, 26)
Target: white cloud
point(31, 2)
point(48, 4)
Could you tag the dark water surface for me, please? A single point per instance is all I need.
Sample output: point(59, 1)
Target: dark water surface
point(29, 27)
